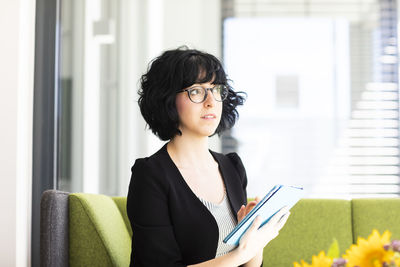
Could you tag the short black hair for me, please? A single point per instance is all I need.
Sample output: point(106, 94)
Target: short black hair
point(173, 71)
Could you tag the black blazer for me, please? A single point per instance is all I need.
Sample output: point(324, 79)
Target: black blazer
point(171, 226)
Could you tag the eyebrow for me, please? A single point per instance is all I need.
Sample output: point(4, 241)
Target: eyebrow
point(200, 84)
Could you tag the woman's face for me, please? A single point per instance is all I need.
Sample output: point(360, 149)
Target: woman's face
point(198, 119)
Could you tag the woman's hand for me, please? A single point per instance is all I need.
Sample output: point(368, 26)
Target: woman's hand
point(243, 211)
point(254, 240)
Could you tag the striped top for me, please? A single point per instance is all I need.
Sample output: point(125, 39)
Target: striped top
point(225, 220)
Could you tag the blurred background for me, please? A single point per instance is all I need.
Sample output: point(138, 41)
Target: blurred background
point(321, 78)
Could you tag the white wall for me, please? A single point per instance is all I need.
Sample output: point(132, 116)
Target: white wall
point(196, 23)
point(16, 72)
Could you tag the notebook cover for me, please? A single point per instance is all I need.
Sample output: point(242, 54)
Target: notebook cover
point(278, 197)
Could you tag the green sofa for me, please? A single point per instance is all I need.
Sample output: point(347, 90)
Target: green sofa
point(100, 234)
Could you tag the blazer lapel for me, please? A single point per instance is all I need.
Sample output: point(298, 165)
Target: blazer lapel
point(232, 182)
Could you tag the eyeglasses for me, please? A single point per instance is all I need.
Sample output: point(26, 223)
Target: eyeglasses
point(198, 94)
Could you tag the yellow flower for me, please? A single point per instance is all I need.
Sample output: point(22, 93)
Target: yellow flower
point(301, 264)
point(317, 261)
point(396, 258)
point(370, 252)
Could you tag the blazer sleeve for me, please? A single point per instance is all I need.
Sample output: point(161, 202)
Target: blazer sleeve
point(237, 162)
point(153, 240)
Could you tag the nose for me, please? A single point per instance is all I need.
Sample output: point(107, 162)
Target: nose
point(210, 101)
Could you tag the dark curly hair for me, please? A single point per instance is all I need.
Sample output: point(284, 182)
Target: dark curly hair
point(167, 75)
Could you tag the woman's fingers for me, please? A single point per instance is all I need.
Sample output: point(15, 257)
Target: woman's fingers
point(250, 206)
point(256, 223)
point(240, 210)
point(252, 229)
point(279, 215)
point(240, 213)
point(276, 222)
point(283, 220)
point(244, 210)
point(259, 237)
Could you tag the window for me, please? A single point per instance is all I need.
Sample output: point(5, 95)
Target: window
point(322, 84)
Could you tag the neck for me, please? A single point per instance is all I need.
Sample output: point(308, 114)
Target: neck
point(189, 152)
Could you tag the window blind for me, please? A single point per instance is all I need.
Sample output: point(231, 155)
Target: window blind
point(365, 159)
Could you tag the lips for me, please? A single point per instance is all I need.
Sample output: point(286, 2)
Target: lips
point(209, 116)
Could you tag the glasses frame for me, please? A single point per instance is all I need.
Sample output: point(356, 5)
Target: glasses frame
point(206, 94)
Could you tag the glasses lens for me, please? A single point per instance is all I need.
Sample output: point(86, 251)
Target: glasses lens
point(196, 94)
point(220, 92)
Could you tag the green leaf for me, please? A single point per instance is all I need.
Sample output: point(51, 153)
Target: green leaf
point(333, 251)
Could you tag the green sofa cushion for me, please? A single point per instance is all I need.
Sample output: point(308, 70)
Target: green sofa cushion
point(297, 240)
point(379, 213)
point(100, 232)
point(97, 231)
point(121, 204)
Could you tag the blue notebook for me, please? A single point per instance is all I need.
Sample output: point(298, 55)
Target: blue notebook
point(278, 197)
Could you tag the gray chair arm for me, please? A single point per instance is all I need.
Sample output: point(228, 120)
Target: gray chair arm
point(54, 231)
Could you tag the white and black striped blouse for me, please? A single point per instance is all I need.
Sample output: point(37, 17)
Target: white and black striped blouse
point(225, 221)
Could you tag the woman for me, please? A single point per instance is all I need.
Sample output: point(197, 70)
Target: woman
point(185, 199)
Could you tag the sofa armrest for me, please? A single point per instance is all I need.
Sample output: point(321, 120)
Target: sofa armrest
point(54, 231)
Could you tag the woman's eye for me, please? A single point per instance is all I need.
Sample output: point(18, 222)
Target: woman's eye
point(217, 89)
point(195, 91)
